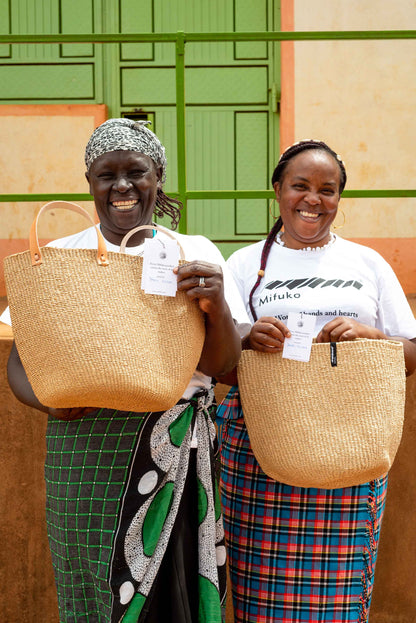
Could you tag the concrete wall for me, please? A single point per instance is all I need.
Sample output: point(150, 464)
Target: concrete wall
point(28, 590)
point(394, 599)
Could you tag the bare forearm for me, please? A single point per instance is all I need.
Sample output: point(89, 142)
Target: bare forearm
point(409, 349)
point(19, 383)
point(222, 346)
point(231, 378)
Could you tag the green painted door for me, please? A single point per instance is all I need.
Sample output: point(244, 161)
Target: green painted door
point(50, 73)
point(231, 115)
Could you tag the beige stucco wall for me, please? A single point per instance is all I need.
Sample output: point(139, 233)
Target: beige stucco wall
point(40, 148)
point(44, 154)
point(360, 97)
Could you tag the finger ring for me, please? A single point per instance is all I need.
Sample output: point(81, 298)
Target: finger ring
point(202, 283)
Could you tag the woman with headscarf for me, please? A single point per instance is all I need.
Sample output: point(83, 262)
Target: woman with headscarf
point(133, 516)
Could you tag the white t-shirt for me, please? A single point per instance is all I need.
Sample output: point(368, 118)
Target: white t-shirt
point(195, 248)
point(343, 279)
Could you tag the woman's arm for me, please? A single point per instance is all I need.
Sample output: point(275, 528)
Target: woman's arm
point(22, 389)
point(409, 347)
point(19, 383)
point(222, 346)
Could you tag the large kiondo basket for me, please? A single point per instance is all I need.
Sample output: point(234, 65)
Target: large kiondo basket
point(88, 335)
point(333, 422)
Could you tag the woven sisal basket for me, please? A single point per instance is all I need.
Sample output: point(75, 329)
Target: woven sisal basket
point(320, 425)
point(88, 335)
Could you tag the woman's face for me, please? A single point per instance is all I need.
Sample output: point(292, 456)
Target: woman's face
point(308, 196)
point(124, 186)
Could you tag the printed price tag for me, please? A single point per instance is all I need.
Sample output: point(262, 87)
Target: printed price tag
point(159, 259)
point(299, 345)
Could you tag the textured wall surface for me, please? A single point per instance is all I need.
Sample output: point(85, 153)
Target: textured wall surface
point(394, 597)
point(28, 594)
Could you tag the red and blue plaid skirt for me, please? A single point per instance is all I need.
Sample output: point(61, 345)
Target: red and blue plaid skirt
point(295, 554)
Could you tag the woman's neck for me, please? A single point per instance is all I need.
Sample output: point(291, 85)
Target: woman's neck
point(282, 241)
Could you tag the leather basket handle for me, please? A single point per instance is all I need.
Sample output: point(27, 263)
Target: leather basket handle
point(154, 227)
point(35, 254)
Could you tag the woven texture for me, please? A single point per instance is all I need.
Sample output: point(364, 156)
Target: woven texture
point(314, 425)
point(88, 335)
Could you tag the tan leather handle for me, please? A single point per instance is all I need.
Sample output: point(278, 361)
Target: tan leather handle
point(35, 254)
point(154, 227)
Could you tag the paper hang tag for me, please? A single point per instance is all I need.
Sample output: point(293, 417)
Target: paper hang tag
point(160, 257)
point(299, 345)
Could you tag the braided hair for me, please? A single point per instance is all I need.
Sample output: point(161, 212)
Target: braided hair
point(168, 206)
point(277, 176)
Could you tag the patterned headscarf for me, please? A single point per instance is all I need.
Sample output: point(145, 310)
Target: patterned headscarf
point(125, 135)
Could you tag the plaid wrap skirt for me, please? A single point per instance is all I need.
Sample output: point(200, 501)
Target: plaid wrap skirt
point(295, 554)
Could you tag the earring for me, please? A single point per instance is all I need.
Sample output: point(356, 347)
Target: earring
point(343, 222)
point(274, 217)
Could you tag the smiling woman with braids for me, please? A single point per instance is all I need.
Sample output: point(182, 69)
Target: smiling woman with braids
point(306, 554)
point(134, 519)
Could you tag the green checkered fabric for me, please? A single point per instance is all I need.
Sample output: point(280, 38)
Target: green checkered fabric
point(86, 468)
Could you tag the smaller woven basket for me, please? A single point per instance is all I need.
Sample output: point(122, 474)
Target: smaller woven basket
point(89, 336)
point(333, 422)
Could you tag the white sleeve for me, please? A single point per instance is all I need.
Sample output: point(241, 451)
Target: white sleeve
point(395, 317)
point(234, 265)
point(231, 292)
point(240, 264)
point(5, 317)
point(235, 302)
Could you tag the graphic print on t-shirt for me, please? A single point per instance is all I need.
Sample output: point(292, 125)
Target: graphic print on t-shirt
point(312, 282)
point(313, 295)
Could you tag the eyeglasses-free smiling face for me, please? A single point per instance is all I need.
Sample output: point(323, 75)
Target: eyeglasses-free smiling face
point(124, 186)
point(308, 197)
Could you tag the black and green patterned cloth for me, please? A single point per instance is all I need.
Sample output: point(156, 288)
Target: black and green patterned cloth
point(115, 482)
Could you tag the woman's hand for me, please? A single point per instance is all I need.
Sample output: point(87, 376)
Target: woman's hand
point(342, 329)
point(68, 415)
point(267, 335)
point(204, 282)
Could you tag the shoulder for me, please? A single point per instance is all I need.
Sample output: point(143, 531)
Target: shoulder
point(249, 250)
point(246, 255)
point(353, 250)
point(85, 239)
point(196, 247)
